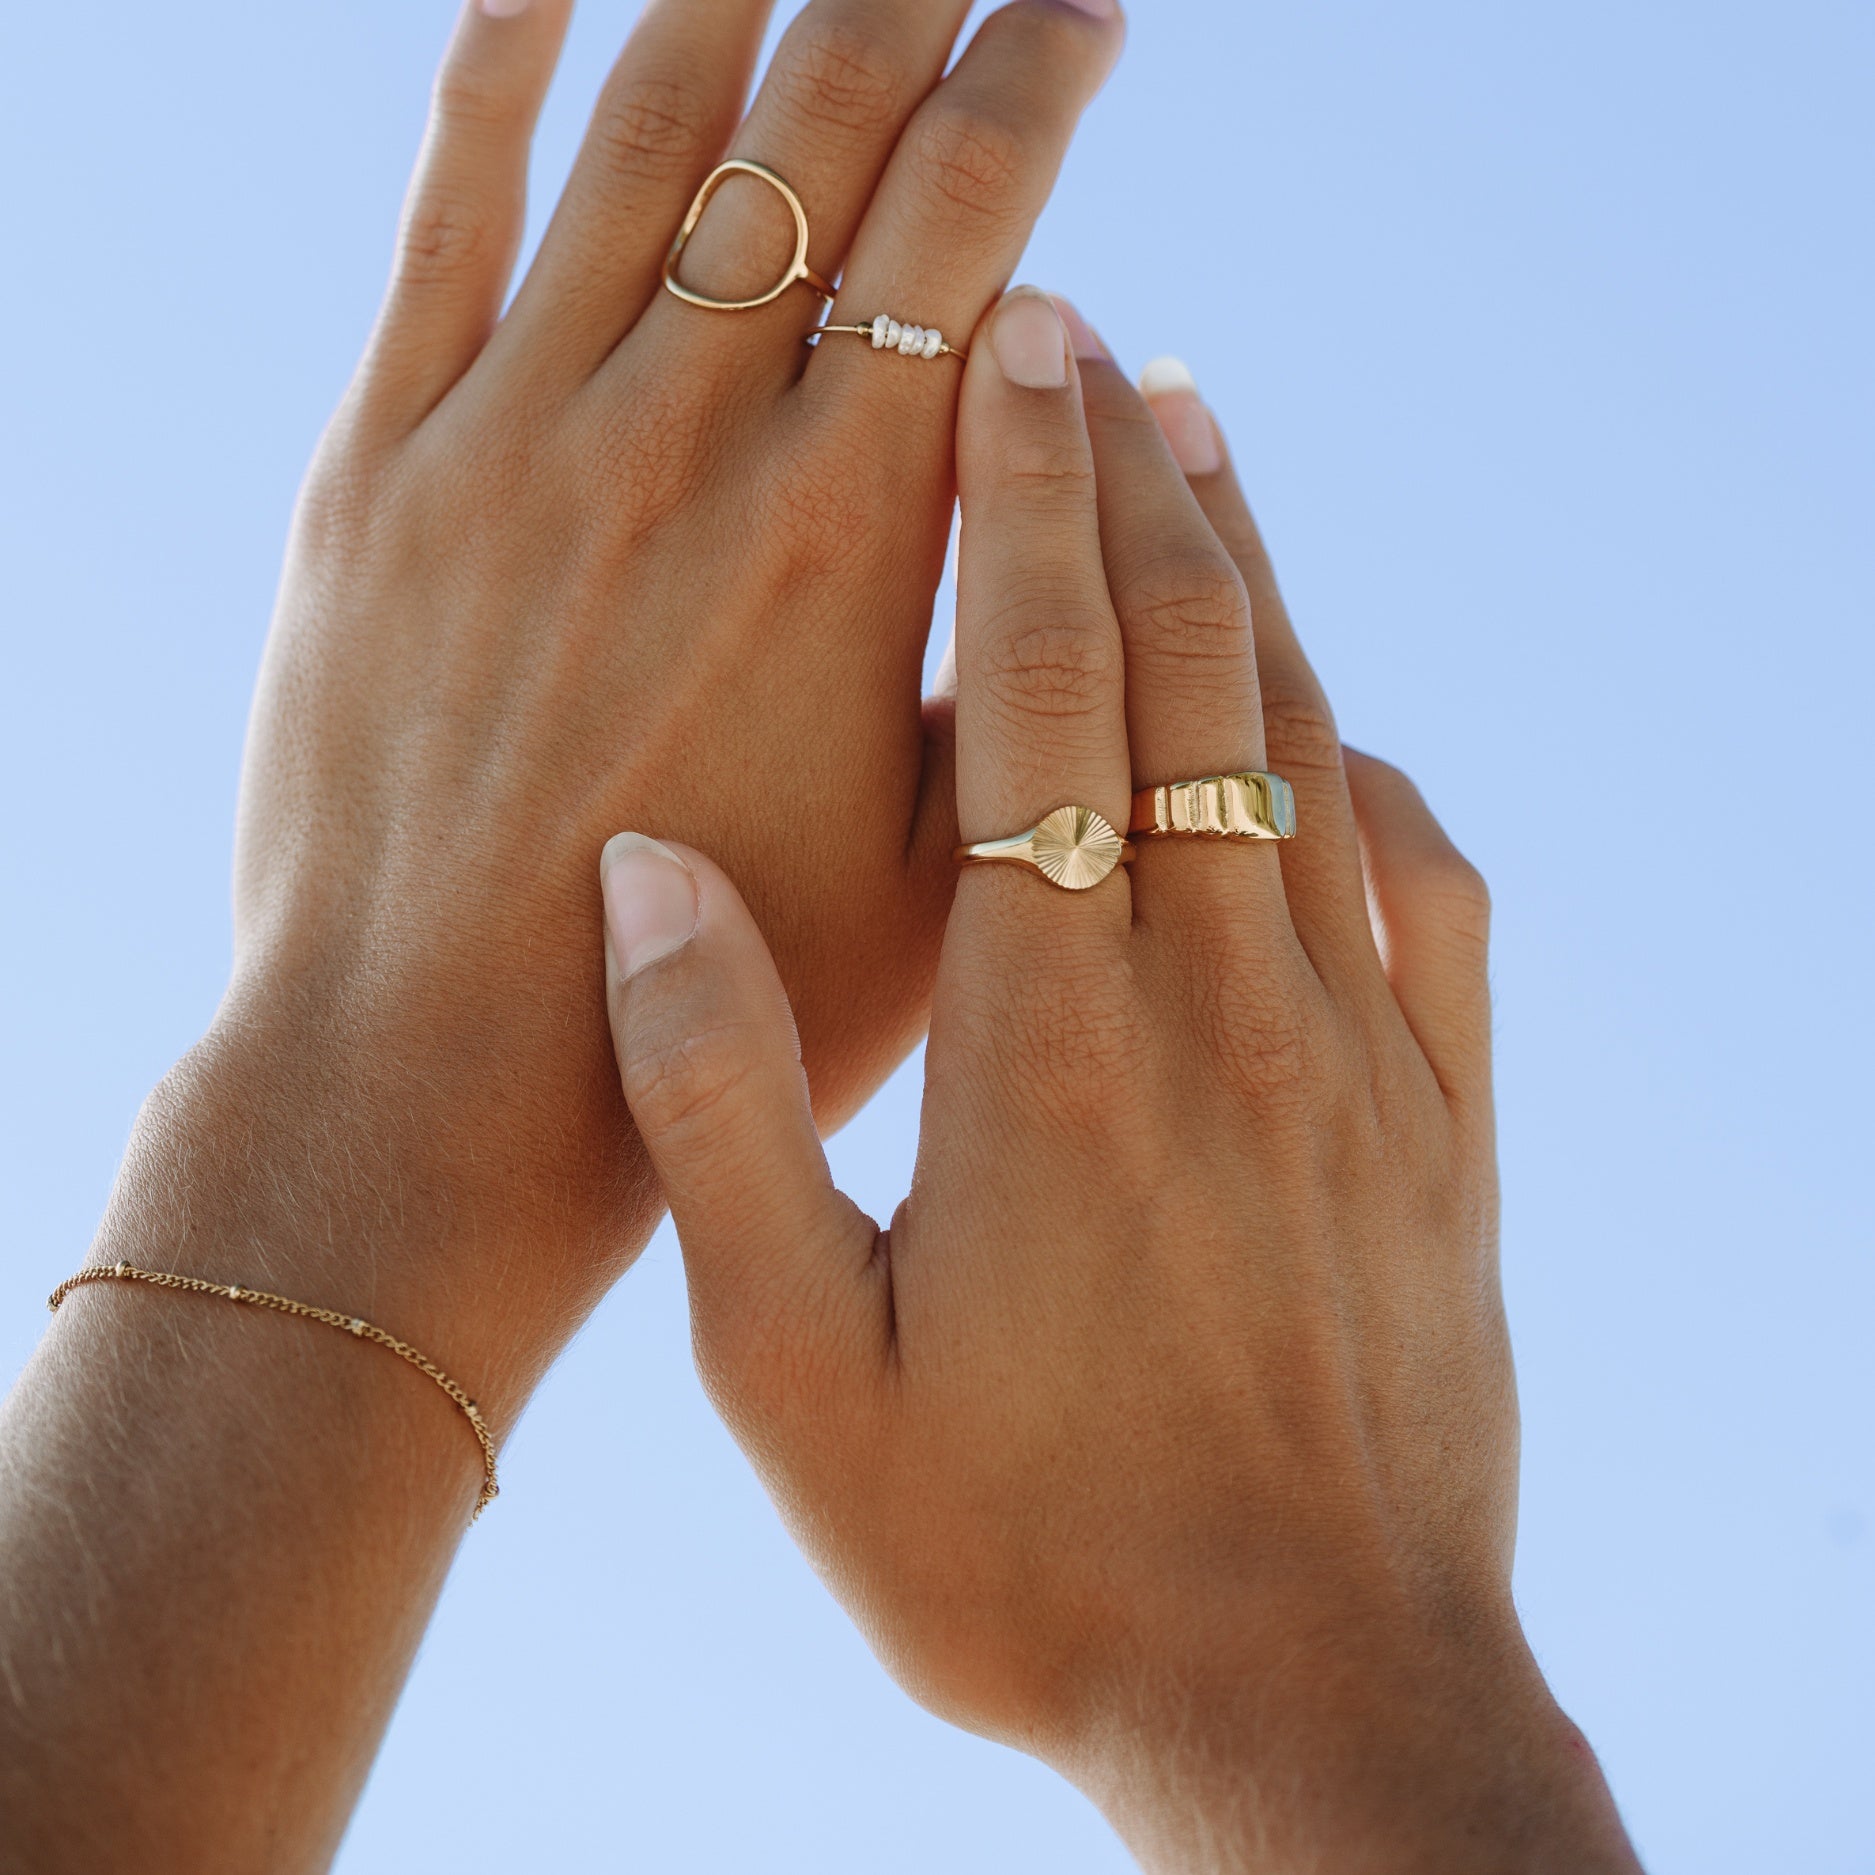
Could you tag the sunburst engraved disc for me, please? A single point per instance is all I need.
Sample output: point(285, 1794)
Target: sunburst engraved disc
point(1075, 848)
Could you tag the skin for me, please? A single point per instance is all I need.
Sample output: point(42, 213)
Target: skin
point(604, 558)
point(1169, 1432)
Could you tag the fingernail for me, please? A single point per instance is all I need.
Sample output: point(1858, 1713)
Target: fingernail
point(1101, 9)
point(650, 901)
point(1189, 428)
point(1029, 341)
point(503, 9)
point(1082, 336)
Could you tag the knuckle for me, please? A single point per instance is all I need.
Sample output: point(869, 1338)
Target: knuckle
point(827, 523)
point(469, 102)
point(1298, 726)
point(644, 456)
point(652, 129)
point(1068, 1038)
point(1051, 670)
point(444, 237)
point(345, 500)
point(971, 159)
point(1046, 466)
point(843, 73)
point(1457, 891)
point(1272, 1044)
point(1189, 603)
point(677, 1084)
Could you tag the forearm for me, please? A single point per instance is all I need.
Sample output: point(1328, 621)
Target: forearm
point(222, 1530)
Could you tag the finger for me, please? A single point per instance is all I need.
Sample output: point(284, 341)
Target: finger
point(1192, 705)
point(1321, 865)
point(668, 110)
point(957, 205)
point(780, 1264)
point(845, 79)
point(466, 208)
point(1041, 712)
point(1432, 922)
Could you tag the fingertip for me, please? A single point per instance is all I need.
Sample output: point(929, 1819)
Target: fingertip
point(1085, 341)
point(1190, 430)
point(1110, 15)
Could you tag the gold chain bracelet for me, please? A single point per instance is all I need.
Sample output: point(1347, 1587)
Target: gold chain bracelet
point(354, 1325)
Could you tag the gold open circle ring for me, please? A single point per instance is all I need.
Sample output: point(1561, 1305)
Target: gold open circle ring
point(798, 269)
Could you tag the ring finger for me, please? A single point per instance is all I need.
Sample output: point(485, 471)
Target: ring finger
point(1192, 705)
point(845, 80)
point(1321, 867)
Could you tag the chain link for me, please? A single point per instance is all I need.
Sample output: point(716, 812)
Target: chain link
point(353, 1325)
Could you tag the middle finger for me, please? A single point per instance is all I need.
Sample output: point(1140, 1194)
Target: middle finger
point(956, 208)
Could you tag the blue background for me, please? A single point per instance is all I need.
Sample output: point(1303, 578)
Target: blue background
point(1542, 334)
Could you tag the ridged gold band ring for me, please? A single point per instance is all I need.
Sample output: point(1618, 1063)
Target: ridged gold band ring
point(1252, 806)
point(1073, 847)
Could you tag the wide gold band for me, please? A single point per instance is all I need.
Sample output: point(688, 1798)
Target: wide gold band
point(1250, 806)
point(798, 269)
point(1073, 847)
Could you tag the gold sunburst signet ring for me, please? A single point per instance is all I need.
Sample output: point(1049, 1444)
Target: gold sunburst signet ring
point(1252, 806)
point(1073, 847)
point(798, 269)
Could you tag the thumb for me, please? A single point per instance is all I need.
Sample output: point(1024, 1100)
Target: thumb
point(780, 1264)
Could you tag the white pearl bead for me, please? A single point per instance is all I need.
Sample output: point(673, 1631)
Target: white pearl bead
point(893, 332)
point(913, 340)
point(878, 332)
point(933, 342)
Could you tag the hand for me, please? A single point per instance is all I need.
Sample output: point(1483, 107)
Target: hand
point(1169, 1432)
point(606, 557)
point(610, 557)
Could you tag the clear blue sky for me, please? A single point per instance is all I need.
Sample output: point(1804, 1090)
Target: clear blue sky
point(1543, 335)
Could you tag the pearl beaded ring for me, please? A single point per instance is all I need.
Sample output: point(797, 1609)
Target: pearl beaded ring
point(889, 334)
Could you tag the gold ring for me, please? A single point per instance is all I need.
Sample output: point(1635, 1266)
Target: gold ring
point(798, 269)
point(1251, 806)
point(893, 335)
point(1073, 847)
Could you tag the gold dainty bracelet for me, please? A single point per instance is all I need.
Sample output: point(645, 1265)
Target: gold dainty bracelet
point(354, 1325)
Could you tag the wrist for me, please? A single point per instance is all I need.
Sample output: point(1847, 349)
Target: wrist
point(283, 1154)
point(1358, 1757)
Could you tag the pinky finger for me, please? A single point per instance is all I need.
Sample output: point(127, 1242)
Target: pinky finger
point(1432, 920)
point(466, 208)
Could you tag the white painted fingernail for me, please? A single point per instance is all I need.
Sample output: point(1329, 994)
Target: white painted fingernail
point(1166, 374)
point(1188, 427)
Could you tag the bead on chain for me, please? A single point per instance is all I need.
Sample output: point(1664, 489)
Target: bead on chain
point(907, 341)
point(889, 334)
point(284, 1305)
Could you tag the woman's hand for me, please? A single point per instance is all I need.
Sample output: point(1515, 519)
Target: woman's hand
point(606, 558)
point(611, 557)
point(1170, 1430)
